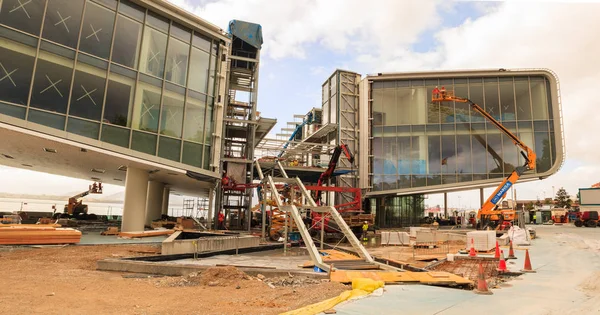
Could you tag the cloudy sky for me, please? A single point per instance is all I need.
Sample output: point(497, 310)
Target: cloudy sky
point(306, 40)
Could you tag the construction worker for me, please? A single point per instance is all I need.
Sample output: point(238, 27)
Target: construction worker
point(443, 92)
point(436, 93)
point(365, 228)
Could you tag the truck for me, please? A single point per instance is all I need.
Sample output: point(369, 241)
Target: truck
point(588, 219)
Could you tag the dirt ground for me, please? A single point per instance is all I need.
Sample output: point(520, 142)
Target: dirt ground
point(65, 281)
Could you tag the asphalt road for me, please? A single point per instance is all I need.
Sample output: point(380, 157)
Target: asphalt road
point(567, 281)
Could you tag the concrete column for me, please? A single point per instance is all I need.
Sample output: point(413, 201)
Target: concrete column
point(134, 208)
point(165, 200)
point(154, 201)
point(211, 204)
point(446, 205)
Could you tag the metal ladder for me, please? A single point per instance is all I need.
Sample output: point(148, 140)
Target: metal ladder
point(295, 214)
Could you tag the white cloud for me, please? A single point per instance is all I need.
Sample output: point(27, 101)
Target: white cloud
point(289, 27)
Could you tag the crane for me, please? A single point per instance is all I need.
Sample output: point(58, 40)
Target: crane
point(307, 121)
point(488, 215)
point(335, 157)
point(75, 207)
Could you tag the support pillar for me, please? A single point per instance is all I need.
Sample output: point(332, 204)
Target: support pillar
point(446, 205)
point(481, 200)
point(134, 207)
point(165, 200)
point(211, 203)
point(154, 201)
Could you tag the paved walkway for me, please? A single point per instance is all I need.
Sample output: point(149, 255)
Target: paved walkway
point(567, 261)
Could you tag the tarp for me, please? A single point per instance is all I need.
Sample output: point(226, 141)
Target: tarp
point(360, 287)
point(519, 236)
point(251, 33)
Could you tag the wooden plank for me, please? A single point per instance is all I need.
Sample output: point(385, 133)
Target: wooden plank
point(435, 278)
point(146, 233)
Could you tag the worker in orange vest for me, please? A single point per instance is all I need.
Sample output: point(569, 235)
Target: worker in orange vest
point(221, 221)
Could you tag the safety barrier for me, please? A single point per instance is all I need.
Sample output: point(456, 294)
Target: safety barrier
point(434, 249)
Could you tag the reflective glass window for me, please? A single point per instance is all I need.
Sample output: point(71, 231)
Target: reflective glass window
point(12, 110)
point(476, 95)
point(146, 109)
point(16, 66)
point(88, 92)
point(462, 111)
point(119, 100)
point(448, 154)
point(115, 135)
point(47, 119)
point(192, 154)
point(169, 148)
point(177, 61)
point(199, 70)
point(209, 122)
point(83, 128)
point(201, 42)
point(143, 142)
point(127, 42)
point(522, 99)
point(543, 152)
point(510, 153)
point(492, 105)
point(132, 10)
point(495, 162)
point(434, 155)
point(108, 3)
point(463, 157)
point(206, 160)
point(193, 127)
point(507, 101)
point(390, 154)
point(479, 156)
point(181, 32)
point(97, 30)
point(212, 74)
point(152, 58)
point(52, 82)
point(403, 155)
point(62, 22)
point(25, 15)
point(172, 114)
point(539, 101)
point(388, 106)
point(157, 21)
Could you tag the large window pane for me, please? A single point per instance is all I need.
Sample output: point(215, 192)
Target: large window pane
point(169, 148)
point(119, 98)
point(388, 106)
point(193, 127)
point(434, 155)
point(433, 109)
point(127, 42)
point(201, 42)
point(192, 154)
point(115, 135)
point(462, 110)
point(172, 114)
point(12, 110)
point(25, 15)
point(206, 160)
point(403, 155)
point(510, 154)
point(146, 107)
point(157, 21)
point(463, 157)
point(132, 10)
point(199, 70)
point(507, 101)
point(83, 128)
point(539, 101)
point(62, 22)
point(212, 74)
point(209, 122)
point(52, 82)
point(495, 161)
point(419, 155)
point(154, 47)
point(390, 154)
point(542, 151)
point(448, 154)
point(143, 142)
point(181, 32)
point(476, 95)
point(51, 120)
point(479, 145)
point(492, 106)
point(522, 98)
point(177, 61)
point(88, 92)
point(97, 30)
point(377, 108)
point(418, 105)
point(16, 65)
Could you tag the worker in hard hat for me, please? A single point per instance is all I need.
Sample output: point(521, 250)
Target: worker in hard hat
point(443, 92)
point(365, 228)
point(436, 93)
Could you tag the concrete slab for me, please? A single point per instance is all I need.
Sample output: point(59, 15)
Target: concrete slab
point(94, 238)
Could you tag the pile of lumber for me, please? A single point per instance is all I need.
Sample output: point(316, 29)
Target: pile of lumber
point(145, 233)
point(30, 234)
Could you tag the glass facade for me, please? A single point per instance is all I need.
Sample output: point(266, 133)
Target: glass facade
point(112, 71)
point(398, 211)
point(418, 143)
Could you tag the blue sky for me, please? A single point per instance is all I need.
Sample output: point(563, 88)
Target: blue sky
point(306, 40)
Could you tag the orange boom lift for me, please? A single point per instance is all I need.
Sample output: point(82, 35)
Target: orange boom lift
point(488, 215)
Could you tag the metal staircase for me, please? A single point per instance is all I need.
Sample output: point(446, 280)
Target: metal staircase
point(295, 214)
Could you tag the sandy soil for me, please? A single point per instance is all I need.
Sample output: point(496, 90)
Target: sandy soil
point(64, 281)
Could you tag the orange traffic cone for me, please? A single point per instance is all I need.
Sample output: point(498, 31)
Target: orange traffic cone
point(527, 267)
point(511, 252)
point(497, 255)
point(502, 263)
point(472, 251)
point(482, 287)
